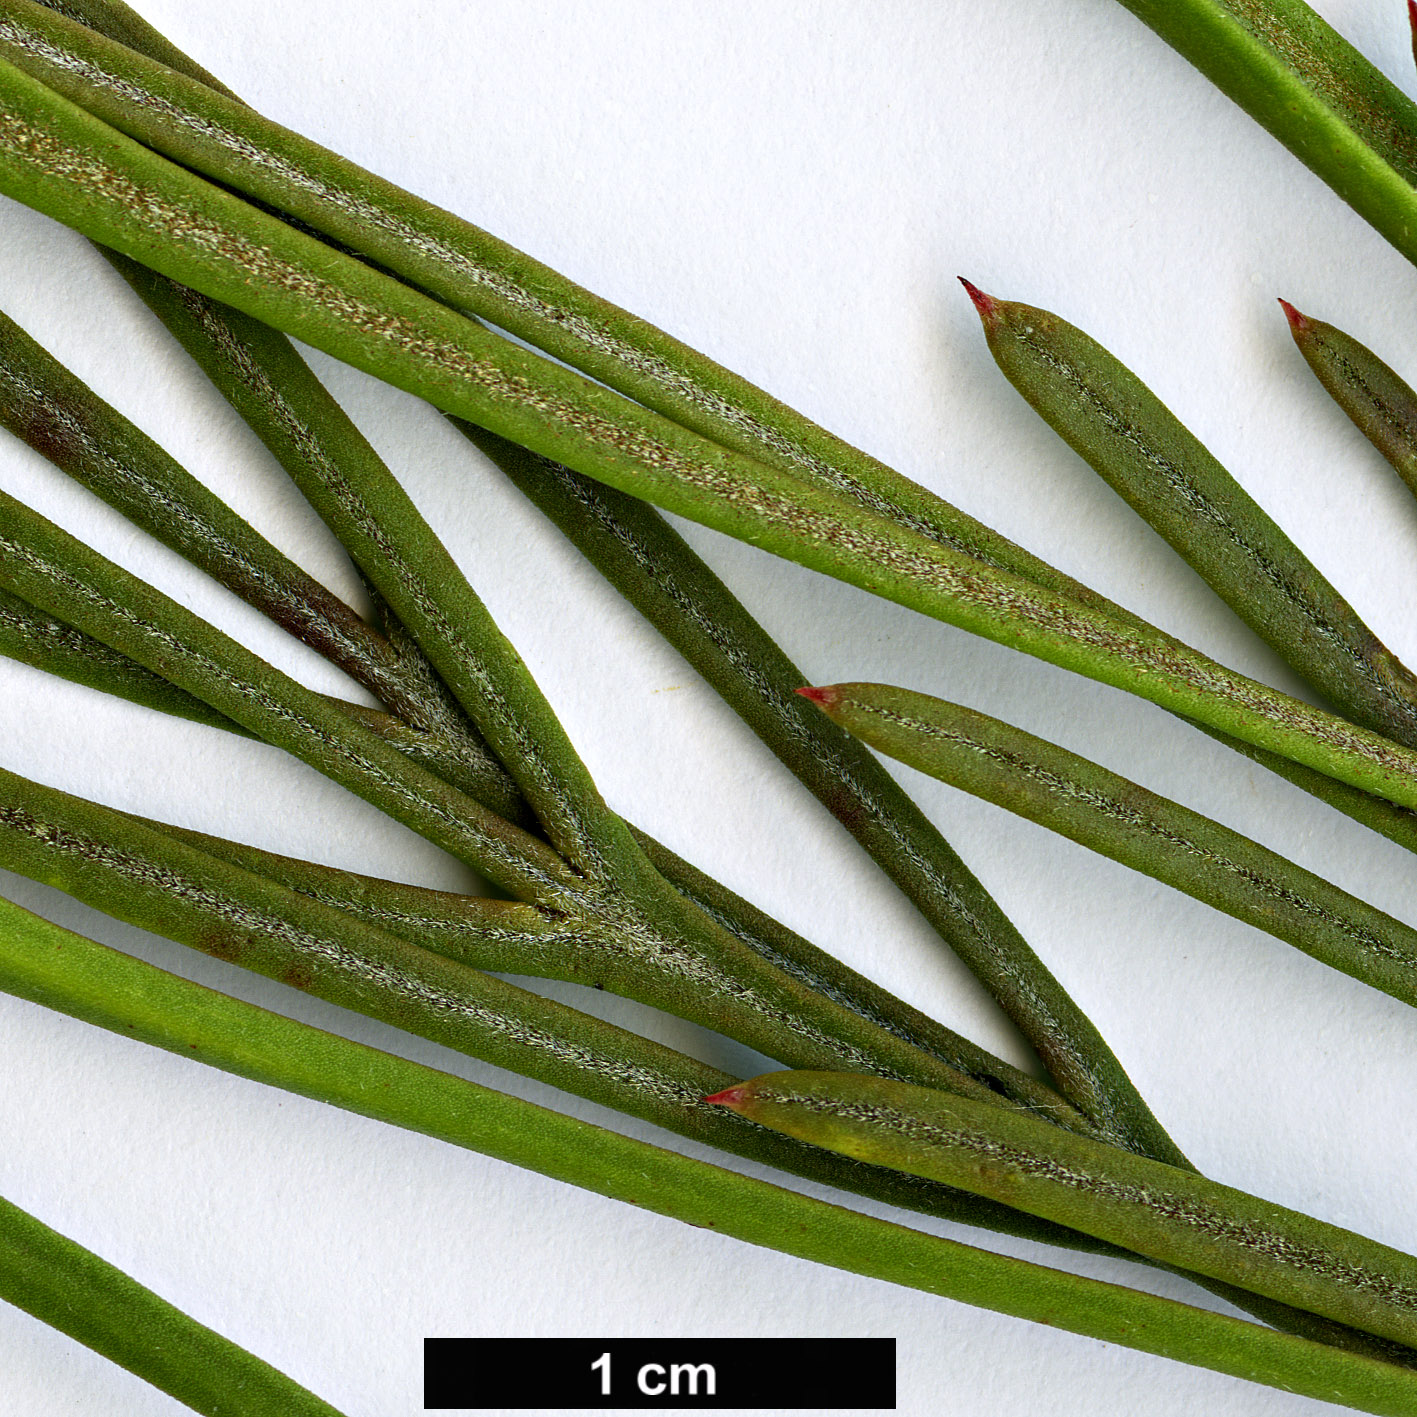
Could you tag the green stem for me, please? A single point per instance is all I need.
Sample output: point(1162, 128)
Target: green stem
point(1300, 79)
point(1088, 804)
point(41, 962)
point(72, 1289)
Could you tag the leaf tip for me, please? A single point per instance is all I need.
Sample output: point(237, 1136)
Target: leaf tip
point(1298, 321)
point(985, 304)
point(729, 1097)
point(823, 698)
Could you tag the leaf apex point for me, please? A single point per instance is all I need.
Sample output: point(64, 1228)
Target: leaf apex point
point(729, 1097)
point(1298, 321)
point(985, 304)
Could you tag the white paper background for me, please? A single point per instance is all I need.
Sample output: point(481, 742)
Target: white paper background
point(791, 188)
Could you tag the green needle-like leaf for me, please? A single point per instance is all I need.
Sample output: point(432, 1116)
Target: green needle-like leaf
point(33, 637)
point(1143, 451)
point(1398, 824)
point(457, 925)
point(1382, 405)
point(618, 541)
point(64, 162)
point(347, 483)
point(357, 496)
point(466, 267)
point(1222, 1232)
point(1087, 803)
point(840, 483)
point(60, 417)
point(247, 363)
point(124, 25)
point(514, 938)
point(36, 638)
point(120, 865)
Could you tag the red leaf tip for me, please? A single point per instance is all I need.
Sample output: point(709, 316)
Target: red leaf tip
point(1412, 15)
point(985, 304)
point(1298, 321)
point(823, 698)
point(729, 1097)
